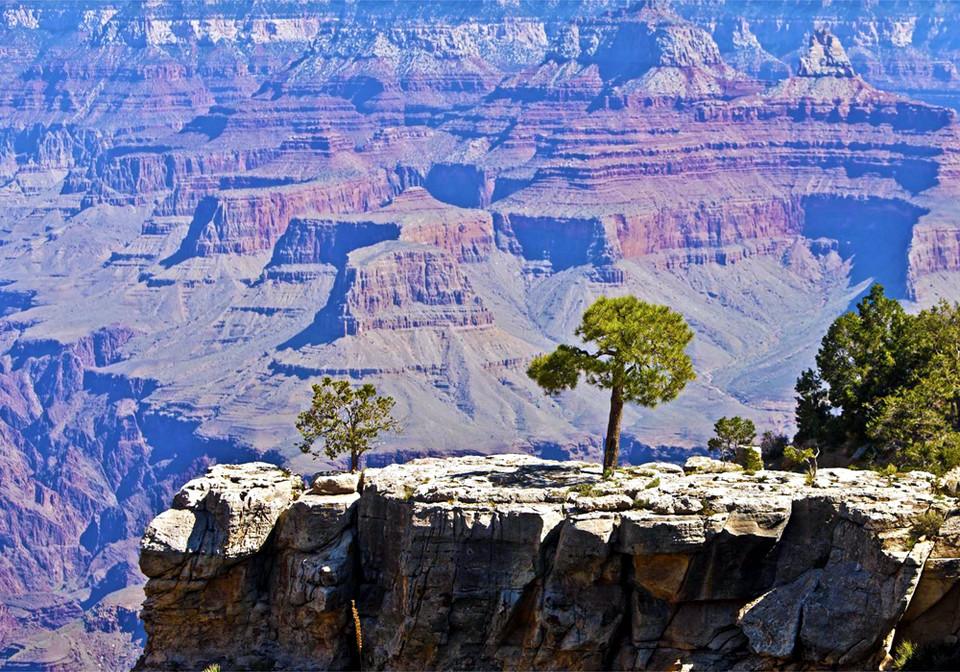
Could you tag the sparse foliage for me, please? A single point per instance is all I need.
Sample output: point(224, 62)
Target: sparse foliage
point(345, 420)
point(927, 524)
point(637, 353)
point(806, 456)
point(585, 489)
point(730, 433)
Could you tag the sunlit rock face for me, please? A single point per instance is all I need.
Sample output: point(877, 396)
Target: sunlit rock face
point(207, 206)
point(512, 562)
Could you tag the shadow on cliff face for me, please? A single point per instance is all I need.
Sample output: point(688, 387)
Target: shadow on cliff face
point(202, 216)
point(332, 321)
point(308, 241)
point(875, 233)
point(555, 244)
point(463, 185)
point(564, 243)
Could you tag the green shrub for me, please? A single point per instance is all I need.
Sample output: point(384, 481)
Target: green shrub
point(806, 455)
point(927, 524)
point(751, 461)
point(889, 472)
point(655, 483)
point(585, 489)
point(641, 503)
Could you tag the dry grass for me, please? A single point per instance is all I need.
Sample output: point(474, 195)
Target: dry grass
point(358, 631)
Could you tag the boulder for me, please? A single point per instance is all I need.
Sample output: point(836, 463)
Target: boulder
point(702, 464)
point(335, 483)
point(950, 482)
point(217, 520)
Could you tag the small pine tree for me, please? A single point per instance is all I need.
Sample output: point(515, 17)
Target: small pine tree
point(346, 419)
point(751, 461)
point(730, 434)
point(636, 352)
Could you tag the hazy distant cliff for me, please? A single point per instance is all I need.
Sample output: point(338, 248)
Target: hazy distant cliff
point(512, 562)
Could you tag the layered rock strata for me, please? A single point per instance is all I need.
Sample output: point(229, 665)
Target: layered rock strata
point(399, 285)
point(511, 562)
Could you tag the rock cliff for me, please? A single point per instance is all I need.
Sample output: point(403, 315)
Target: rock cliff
point(512, 562)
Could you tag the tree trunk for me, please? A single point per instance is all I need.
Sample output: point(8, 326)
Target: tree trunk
point(611, 447)
point(354, 460)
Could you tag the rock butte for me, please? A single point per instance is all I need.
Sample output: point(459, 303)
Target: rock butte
point(513, 562)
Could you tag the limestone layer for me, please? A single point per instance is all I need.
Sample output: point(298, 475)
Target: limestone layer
point(512, 562)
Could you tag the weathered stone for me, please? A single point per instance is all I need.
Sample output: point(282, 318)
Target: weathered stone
point(665, 468)
point(857, 602)
point(950, 483)
point(217, 519)
point(314, 520)
point(498, 563)
point(700, 464)
point(771, 622)
point(335, 483)
point(661, 575)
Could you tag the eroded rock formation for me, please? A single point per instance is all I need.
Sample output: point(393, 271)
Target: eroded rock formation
point(512, 562)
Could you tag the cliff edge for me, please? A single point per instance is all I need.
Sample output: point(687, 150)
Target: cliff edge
point(511, 562)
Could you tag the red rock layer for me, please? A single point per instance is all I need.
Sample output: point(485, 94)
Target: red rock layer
point(398, 285)
point(413, 215)
point(245, 222)
point(934, 249)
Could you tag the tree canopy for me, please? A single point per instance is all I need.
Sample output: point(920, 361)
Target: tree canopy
point(345, 420)
point(633, 348)
point(731, 433)
point(888, 380)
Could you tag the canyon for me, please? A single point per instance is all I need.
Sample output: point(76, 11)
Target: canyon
point(513, 562)
point(207, 206)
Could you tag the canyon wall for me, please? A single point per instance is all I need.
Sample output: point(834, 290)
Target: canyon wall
point(205, 206)
point(511, 562)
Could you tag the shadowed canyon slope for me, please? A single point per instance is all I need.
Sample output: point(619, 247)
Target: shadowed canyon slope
point(208, 205)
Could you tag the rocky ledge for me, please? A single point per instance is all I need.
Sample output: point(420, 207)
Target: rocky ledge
point(511, 562)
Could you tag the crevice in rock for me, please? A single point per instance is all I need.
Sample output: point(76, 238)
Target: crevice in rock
point(623, 634)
